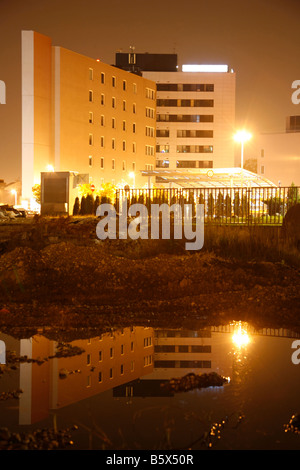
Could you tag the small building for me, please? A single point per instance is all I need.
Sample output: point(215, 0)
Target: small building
point(58, 192)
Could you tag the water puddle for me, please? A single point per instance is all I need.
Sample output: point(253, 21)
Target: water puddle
point(139, 388)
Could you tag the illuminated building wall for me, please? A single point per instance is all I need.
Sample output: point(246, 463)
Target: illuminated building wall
point(36, 108)
point(195, 119)
point(276, 156)
point(82, 115)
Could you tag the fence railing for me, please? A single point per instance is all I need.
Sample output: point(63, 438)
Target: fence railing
point(241, 206)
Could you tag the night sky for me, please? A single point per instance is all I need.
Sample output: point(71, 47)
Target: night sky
point(259, 39)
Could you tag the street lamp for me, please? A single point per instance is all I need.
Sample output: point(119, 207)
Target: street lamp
point(132, 175)
point(50, 168)
point(13, 191)
point(242, 137)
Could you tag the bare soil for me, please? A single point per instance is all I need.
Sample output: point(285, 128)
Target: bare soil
point(56, 274)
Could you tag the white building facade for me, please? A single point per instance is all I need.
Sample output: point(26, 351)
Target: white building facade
point(195, 117)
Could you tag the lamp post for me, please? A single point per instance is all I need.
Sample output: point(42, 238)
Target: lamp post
point(13, 191)
point(132, 175)
point(242, 137)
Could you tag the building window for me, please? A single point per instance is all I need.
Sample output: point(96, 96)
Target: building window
point(124, 85)
point(102, 99)
point(88, 381)
point(162, 133)
point(102, 163)
point(113, 164)
point(113, 123)
point(111, 373)
point(185, 117)
point(100, 377)
point(162, 149)
point(91, 139)
point(135, 88)
point(133, 166)
point(195, 133)
point(91, 72)
point(102, 120)
point(149, 150)
point(150, 113)
point(113, 102)
point(124, 145)
point(162, 163)
point(91, 96)
point(124, 125)
point(90, 160)
point(102, 77)
point(124, 165)
point(262, 153)
point(150, 93)
point(134, 147)
point(194, 149)
point(134, 108)
point(111, 352)
point(122, 349)
point(134, 127)
point(91, 117)
point(262, 169)
point(102, 141)
point(122, 369)
point(113, 81)
point(113, 144)
point(124, 105)
point(149, 131)
point(88, 359)
point(132, 366)
point(100, 356)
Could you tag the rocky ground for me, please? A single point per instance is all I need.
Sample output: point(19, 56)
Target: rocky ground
point(57, 274)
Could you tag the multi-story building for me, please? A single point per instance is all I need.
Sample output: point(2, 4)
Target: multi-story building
point(82, 115)
point(195, 110)
point(195, 119)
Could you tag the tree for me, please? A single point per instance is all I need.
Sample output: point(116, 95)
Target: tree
point(227, 206)
point(89, 204)
point(292, 196)
point(210, 205)
point(96, 204)
point(83, 206)
point(220, 205)
point(76, 207)
point(36, 191)
point(236, 204)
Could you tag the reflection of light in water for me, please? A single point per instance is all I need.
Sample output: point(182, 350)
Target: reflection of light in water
point(240, 337)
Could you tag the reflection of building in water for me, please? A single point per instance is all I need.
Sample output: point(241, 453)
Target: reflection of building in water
point(108, 361)
point(179, 352)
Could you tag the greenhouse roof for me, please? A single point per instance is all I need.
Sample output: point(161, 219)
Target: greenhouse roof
point(209, 177)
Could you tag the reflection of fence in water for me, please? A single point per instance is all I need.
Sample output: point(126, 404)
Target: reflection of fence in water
point(255, 205)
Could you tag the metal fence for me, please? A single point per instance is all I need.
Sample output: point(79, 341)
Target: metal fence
point(239, 206)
